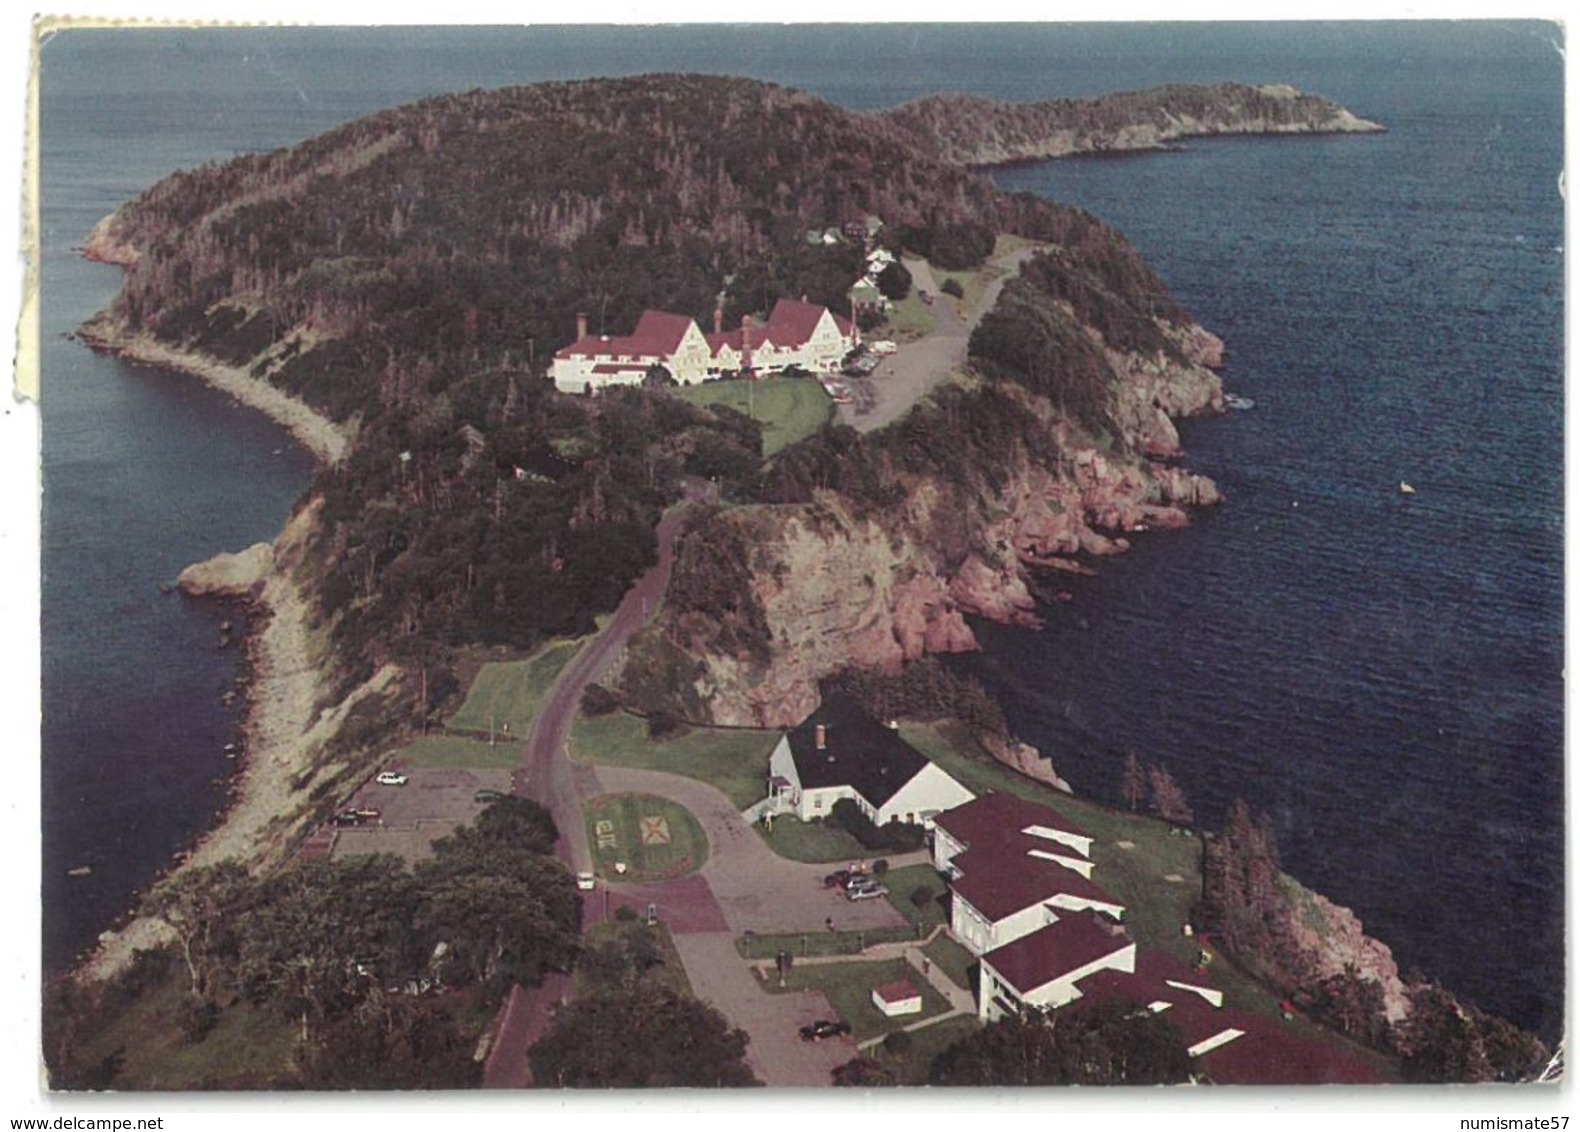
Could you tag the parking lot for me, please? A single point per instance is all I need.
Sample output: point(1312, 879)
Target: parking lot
point(412, 817)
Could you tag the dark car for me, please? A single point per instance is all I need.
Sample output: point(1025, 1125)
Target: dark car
point(487, 795)
point(823, 1028)
point(348, 817)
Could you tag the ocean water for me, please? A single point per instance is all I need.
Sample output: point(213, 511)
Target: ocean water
point(1382, 675)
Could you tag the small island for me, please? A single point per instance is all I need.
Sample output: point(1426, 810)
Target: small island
point(670, 428)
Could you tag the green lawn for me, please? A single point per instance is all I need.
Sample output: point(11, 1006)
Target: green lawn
point(457, 751)
point(815, 842)
point(909, 320)
point(902, 882)
point(848, 987)
point(655, 838)
point(953, 960)
point(912, 1066)
point(818, 942)
point(735, 762)
point(506, 694)
point(788, 408)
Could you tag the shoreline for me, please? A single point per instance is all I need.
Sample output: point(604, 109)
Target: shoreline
point(326, 440)
point(280, 681)
point(282, 678)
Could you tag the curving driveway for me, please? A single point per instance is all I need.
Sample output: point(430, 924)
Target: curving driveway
point(917, 367)
point(754, 888)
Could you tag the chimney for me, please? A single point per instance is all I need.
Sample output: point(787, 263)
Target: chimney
point(822, 737)
point(746, 342)
point(581, 326)
point(718, 320)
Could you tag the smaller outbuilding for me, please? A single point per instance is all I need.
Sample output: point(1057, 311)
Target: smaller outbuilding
point(897, 999)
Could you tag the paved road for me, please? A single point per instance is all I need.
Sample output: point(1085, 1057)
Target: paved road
point(526, 1016)
point(754, 888)
point(547, 774)
point(917, 367)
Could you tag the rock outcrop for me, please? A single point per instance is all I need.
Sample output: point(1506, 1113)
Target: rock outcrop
point(229, 575)
point(818, 587)
point(1334, 940)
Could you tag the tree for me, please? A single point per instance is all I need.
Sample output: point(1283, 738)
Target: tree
point(1133, 786)
point(894, 281)
point(200, 906)
point(1444, 1041)
point(1111, 1043)
point(953, 288)
point(324, 934)
point(649, 1037)
point(598, 700)
point(863, 1073)
point(499, 929)
point(1168, 800)
point(391, 1042)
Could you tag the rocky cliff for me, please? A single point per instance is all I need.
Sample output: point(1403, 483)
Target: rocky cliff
point(769, 599)
point(966, 130)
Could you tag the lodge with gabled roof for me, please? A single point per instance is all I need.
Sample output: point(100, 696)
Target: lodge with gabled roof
point(796, 334)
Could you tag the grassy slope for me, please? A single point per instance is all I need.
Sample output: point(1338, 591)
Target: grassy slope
point(509, 692)
point(789, 408)
point(734, 761)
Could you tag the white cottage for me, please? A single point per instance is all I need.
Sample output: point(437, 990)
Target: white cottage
point(839, 751)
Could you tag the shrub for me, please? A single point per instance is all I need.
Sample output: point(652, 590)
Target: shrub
point(921, 896)
point(898, 1042)
point(625, 914)
point(598, 700)
point(896, 836)
point(952, 287)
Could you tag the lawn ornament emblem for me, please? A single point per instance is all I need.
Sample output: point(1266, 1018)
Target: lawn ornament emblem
point(655, 830)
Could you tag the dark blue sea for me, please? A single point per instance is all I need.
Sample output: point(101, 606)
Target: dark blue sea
point(1382, 674)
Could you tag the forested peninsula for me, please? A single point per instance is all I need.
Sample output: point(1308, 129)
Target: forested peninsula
point(402, 283)
point(981, 132)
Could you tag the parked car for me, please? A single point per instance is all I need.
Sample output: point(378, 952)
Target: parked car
point(586, 882)
point(487, 795)
point(866, 891)
point(824, 1028)
point(367, 813)
point(844, 878)
point(391, 778)
point(348, 817)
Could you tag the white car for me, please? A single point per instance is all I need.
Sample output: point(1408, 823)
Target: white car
point(586, 882)
point(391, 778)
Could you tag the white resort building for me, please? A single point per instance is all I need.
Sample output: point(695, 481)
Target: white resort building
point(797, 333)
